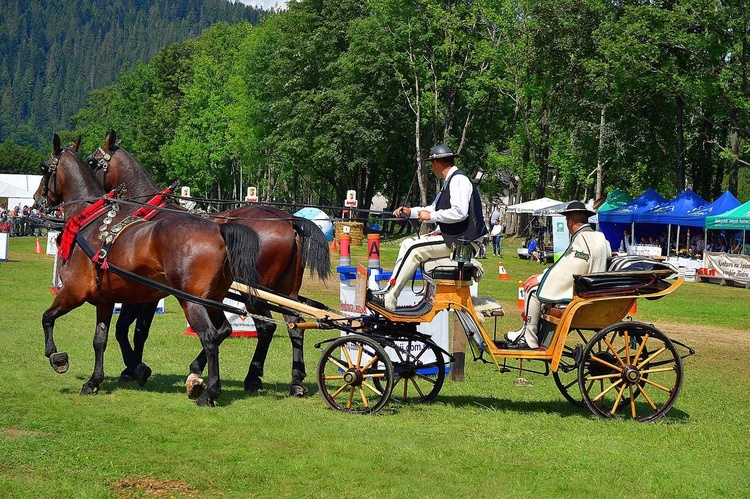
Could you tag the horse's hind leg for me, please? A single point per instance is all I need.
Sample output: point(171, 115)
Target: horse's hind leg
point(265, 329)
point(212, 328)
point(103, 318)
point(297, 337)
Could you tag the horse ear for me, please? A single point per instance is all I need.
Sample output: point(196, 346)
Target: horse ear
point(76, 145)
point(56, 144)
point(110, 140)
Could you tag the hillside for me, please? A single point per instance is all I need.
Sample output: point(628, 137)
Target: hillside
point(53, 53)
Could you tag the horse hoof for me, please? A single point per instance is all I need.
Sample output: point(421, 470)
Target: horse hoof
point(125, 378)
point(194, 386)
point(59, 362)
point(89, 389)
point(204, 402)
point(141, 374)
point(253, 385)
point(297, 391)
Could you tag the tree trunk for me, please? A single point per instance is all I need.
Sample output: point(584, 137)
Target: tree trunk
point(680, 165)
point(599, 154)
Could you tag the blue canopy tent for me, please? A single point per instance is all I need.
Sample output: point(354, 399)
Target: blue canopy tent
point(613, 222)
point(674, 212)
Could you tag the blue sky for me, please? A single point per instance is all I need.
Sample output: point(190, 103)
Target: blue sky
point(266, 4)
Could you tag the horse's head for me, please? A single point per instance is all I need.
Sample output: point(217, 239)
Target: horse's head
point(114, 165)
point(53, 184)
point(99, 160)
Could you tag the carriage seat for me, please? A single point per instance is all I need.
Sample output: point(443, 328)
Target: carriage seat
point(633, 283)
point(445, 268)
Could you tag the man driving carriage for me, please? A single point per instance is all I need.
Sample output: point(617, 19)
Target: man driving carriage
point(587, 252)
point(458, 211)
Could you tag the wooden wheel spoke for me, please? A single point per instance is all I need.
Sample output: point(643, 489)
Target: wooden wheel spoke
point(373, 360)
point(605, 363)
point(648, 399)
point(632, 403)
point(617, 400)
point(372, 387)
point(426, 378)
point(338, 392)
point(626, 338)
point(614, 352)
point(641, 346)
point(651, 357)
point(606, 390)
point(604, 376)
point(657, 385)
point(348, 357)
point(351, 398)
point(416, 387)
point(360, 350)
point(363, 397)
point(337, 362)
point(659, 370)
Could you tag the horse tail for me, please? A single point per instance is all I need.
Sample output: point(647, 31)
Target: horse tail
point(243, 248)
point(316, 254)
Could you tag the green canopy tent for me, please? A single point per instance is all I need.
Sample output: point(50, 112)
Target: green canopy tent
point(615, 199)
point(735, 219)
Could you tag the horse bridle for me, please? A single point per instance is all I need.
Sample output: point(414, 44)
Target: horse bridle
point(49, 169)
point(101, 163)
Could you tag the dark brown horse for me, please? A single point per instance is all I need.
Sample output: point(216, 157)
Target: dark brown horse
point(107, 255)
point(288, 245)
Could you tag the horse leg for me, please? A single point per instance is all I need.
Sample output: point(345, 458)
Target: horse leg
point(128, 314)
point(297, 337)
point(61, 305)
point(194, 384)
point(142, 372)
point(103, 318)
point(265, 329)
point(212, 328)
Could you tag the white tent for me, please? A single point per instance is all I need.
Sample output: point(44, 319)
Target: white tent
point(14, 196)
point(531, 206)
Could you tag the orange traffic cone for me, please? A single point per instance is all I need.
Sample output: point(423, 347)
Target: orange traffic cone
point(333, 244)
point(501, 273)
point(521, 296)
point(38, 247)
point(634, 309)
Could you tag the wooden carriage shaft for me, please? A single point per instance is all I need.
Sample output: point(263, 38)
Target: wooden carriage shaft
point(287, 302)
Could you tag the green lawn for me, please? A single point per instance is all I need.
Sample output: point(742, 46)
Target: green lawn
point(484, 437)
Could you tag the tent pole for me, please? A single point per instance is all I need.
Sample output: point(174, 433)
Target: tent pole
point(677, 243)
point(669, 239)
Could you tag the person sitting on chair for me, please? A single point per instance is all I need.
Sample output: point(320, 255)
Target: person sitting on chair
point(458, 211)
point(587, 252)
point(534, 250)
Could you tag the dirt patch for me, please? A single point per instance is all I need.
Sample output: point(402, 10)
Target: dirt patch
point(11, 433)
point(152, 487)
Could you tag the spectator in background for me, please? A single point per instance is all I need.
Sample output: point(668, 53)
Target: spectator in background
point(497, 234)
point(626, 241)
point(16, 223)
point(496, 215)
point(534, 250)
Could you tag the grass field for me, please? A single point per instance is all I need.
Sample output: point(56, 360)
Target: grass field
point(483, 437)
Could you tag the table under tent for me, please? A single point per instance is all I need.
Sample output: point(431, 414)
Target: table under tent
point(613, 222)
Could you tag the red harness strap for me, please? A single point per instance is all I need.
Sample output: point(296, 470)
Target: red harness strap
point(75, 224)
point(158, 201)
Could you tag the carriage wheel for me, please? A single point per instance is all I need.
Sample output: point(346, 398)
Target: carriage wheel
point(418, 376)
point(566, 376)
point(355, 375)
point(630, 369)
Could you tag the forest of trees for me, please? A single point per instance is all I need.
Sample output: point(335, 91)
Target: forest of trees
point(54, 53)
point(568, 99)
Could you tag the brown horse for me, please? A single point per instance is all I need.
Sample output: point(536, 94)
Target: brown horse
point(288, 245)
point(110, 257)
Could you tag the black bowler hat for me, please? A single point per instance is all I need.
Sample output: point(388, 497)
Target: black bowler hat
point(577, 206)
point(441, 151)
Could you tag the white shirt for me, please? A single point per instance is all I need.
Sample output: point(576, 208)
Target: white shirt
point(460, 191)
